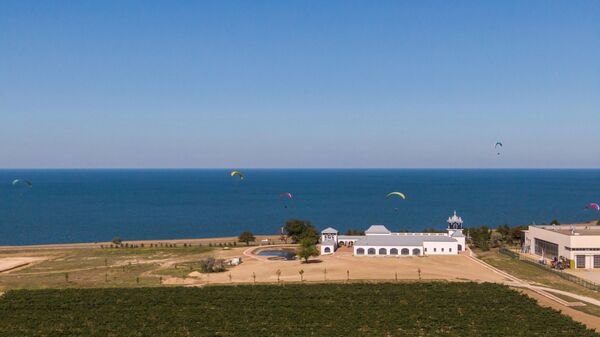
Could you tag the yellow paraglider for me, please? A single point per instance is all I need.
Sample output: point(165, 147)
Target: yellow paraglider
point(237, 173)
point(400, 194)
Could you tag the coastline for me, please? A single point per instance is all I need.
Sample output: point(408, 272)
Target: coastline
point(192, 241)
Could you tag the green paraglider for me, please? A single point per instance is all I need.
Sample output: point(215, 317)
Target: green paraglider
point(237, 173)
point(400, 194)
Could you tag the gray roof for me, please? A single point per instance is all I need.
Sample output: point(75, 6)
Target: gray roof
point(350, 237)
point(401, 240)
point(328, 242)
point(377, 229)
point(329, 230)
point(458, 234)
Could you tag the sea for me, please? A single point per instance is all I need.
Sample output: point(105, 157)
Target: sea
point(67, 206)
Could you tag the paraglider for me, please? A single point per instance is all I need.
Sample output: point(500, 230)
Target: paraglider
point(286, 196)
point(237, 173)
point(22, 185)
point(593, 206)
point(399, 194)
point(22, 182)
point(498, 146)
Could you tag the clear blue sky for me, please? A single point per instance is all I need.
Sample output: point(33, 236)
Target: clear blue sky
point(299, 83)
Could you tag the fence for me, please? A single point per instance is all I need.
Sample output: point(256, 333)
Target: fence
point(567, 276)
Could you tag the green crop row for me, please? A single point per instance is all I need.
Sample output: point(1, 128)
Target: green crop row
point(387, 309)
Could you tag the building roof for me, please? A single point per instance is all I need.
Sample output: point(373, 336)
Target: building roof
point(401, 240)
point(350, 237)
point(458, 234)
point(328, 242)
point(329, 230)
point(575, 230)
point(455, 219)
point(377, 229)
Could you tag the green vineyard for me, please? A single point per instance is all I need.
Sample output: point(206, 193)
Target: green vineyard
point(404, 309)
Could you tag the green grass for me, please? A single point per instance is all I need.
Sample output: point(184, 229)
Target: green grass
point(532, 273)
point(93, 268)
point(384, 309)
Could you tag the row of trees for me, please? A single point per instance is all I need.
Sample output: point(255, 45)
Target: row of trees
point(484, 237)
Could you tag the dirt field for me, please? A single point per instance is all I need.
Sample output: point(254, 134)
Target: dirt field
point(344, 266)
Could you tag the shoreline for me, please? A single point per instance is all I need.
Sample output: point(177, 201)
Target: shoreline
point(192, 241)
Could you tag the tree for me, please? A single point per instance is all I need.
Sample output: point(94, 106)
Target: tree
point(555, 222)
point(504, 231)
point(496, 239)
point(598, 223)
point(297, 230)
point(212, 265)
point(307, 249)
point(246, 237)
point(117, 240)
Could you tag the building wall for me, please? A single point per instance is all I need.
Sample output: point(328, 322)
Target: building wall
point(435, 248)
point(563, 241)
point(324, 247)
point(388, 249)
point(560, 239)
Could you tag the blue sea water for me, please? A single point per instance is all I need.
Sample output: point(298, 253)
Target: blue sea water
point(96, 205)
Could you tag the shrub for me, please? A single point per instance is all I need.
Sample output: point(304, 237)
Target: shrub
point(212, 265)
point(117, 240)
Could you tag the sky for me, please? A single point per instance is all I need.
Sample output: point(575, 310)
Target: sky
point(299, 84)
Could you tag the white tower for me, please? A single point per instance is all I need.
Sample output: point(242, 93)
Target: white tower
point(455, 230)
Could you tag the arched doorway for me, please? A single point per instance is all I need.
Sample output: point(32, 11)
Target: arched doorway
point(416, 251)
point(371, 251)
point(327, 250)
point(394, 251)
point(360, 251)
point(460, 248)
point(382, 251)
point(404, 251)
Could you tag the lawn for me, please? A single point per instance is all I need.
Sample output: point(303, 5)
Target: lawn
point(383, 309)
point(532, 273)
point(93, 268)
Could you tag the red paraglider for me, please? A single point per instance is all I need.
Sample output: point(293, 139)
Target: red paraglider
point(594, 206)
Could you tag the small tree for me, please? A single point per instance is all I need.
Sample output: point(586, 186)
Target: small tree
point(307, 249)
point(117, 240)
point(300, 229)
point(278, 272)
point(212, 265)
point(246, 237)
point(598, 223)
point(301, 272)
point(555, 222)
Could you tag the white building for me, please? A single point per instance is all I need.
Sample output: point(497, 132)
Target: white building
point(579, 243)
point(379, 241)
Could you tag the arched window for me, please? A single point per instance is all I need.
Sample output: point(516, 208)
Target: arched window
point(371, 251)
point(416, 251)
point(360, 251)
point(382, 251)
point(404, 251)
point(327, 250)
point(341, 243)
point(393, 251)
